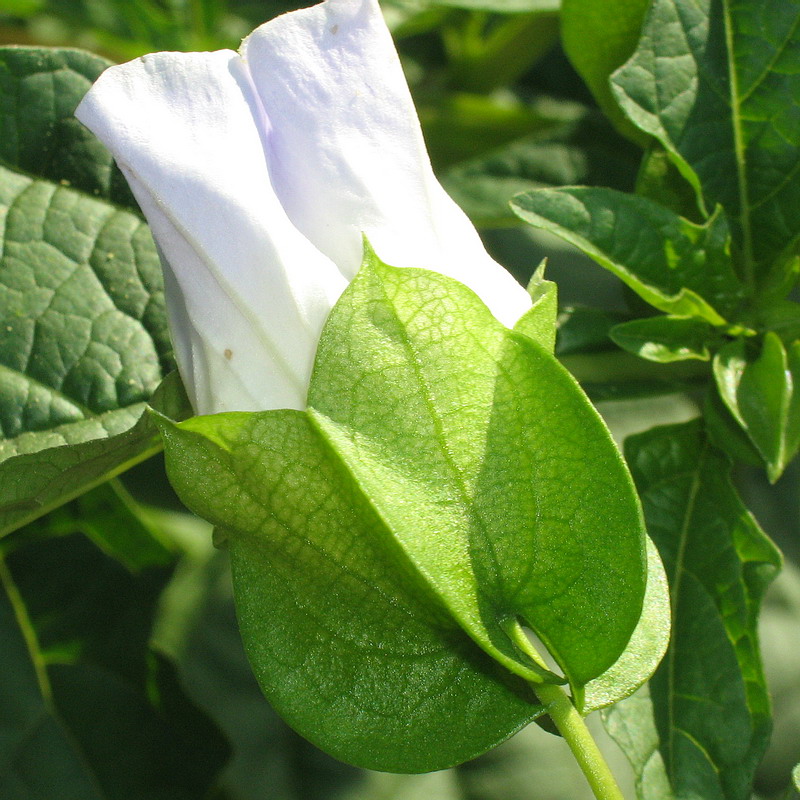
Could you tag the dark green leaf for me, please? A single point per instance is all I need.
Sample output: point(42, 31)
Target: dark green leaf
point(83, 330)
point(759, 390)
point(504, 6)
point(599, 36)
point(717, 82)
point(675, 265)
point(39, 90)
point(130, 730)
point(439, 511)
point(665, 339)
point(112, 519)
point(37, 755)
point(583, 149)
point(33, 483)
point(583, 329)
point(704, 728)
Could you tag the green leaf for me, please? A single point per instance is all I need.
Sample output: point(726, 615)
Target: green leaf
point(112, 519)
point(717, 82)
point(705, 727)
point(83, 336)
point(584, 329)
point(665, 339)
point(539, 321)
point(599, 36)
point(72, 459)
point(467, 125)
point(39, 90)
point(796, 777)
point(462, 504)
point(759, 390)
point(83, 329)
point(101, 715)
point(646, 647)
point(660, 180)
point(504, 6)
point(581, 149)
point(306, 550)
point(675, 265)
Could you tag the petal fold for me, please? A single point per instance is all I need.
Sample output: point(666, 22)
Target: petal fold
point(346, 152)
point(247, 293)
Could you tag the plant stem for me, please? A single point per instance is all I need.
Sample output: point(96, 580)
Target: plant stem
point(572, 727)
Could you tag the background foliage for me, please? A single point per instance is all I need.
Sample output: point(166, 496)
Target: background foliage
point(117, 626)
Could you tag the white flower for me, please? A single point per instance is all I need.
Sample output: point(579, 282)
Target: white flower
point(259, 172)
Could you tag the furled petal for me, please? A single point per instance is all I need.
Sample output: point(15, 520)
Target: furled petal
point(246, 291)
point(346, 152)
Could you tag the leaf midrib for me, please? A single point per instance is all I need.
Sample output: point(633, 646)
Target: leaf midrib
point(694, 490)
point(739, 148)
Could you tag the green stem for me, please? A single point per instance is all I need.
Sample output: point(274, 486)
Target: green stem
point(572, 727)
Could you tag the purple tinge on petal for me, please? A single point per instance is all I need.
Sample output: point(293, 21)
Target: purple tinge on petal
point(347, 155)
point(247, 293)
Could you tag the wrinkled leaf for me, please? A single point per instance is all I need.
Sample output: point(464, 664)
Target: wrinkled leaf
point(83, 331)
point(420, 510)
point(707, 727)
point(760, 390)
point(675, 265)
point(39, 90)
point(33, 483)
point(717, 82)
point(665, 339)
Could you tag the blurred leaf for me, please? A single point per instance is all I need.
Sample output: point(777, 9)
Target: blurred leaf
point(703, 728)
point(583, 149)
point(718, 84)
point(21, 8)
point(796, 777)
point(673, 264)
point(598, 37)
point(130, 729)
point(112, 520)
point(503, 6)
point(665, 338)
point(583, 329)
point(460, 125)
point(482, 58)
point(456, 462)
point(661, 181)
point(760, 393)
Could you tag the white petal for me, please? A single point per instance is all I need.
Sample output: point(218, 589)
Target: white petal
point(346, 151)
point(247, 294)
